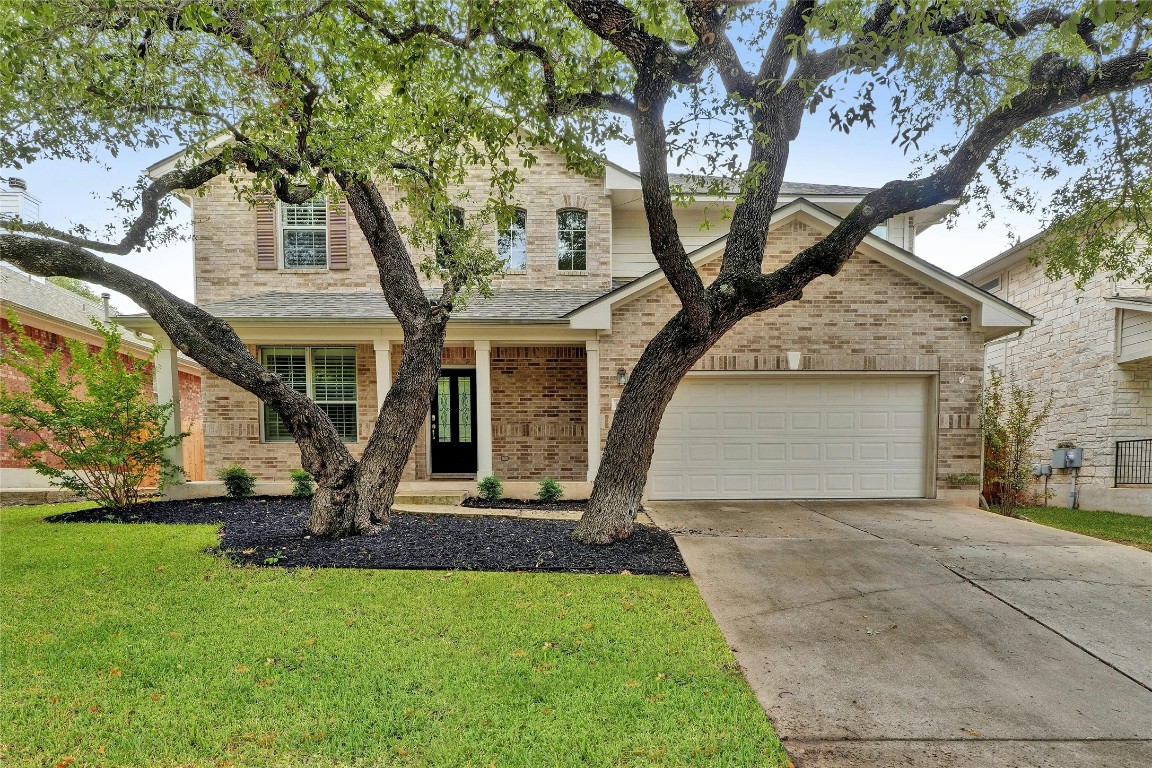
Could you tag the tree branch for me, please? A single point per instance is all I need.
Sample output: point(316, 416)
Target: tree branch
point(1056, 84)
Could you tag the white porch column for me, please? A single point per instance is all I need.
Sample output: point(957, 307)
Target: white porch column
point(383, 350)
point(592, 352)
point(166, 385)
point(483, 409)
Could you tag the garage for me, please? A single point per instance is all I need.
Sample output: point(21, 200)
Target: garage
point(781, 435)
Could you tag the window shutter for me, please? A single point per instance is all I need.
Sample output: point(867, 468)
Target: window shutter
point(337, 235)
point(266, 234)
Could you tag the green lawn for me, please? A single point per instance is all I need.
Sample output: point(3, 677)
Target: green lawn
point(1135, 530)
point(125, 645)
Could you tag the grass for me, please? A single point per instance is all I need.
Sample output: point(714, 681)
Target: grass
point(1134, 530)
point(126, 645)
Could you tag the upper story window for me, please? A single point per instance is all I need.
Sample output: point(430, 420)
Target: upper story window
point(512, 240)
point(572, 240)
point(454, 224)
point(304, 234)
point(325, 374)
point(881, 231)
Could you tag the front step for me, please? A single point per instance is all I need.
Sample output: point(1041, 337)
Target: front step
point(442, 498)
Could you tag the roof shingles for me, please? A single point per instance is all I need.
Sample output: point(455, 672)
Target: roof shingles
point(507, 306)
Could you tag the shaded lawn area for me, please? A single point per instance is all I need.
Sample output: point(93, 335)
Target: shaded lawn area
point(127, 645)
point(1134, 530)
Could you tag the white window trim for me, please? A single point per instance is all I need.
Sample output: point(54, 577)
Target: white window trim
point(556, 220)
point(310, 389)
point(280, 227)
point(522, 270)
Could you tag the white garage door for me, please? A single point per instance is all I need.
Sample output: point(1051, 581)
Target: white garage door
point(781, 436)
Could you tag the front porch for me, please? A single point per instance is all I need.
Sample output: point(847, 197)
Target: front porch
point(522, 403)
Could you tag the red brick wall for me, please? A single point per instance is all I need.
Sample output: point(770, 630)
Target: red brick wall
point(539, 413)
point(14, 381)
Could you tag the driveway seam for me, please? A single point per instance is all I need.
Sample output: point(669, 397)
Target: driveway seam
point(1050, 628)
point(841, 522)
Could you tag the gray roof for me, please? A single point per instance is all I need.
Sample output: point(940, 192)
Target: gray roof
point(22, 290)
point(44, 298)
point(697, 182)
point(507, 306)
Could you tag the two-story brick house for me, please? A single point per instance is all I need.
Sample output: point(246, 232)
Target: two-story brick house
point(869, 386)
point(1090, 352)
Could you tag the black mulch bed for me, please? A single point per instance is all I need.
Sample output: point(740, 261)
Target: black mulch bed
point(270, 531)
point(563, 505)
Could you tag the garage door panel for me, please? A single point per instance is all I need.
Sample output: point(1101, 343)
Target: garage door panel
point(788, 437)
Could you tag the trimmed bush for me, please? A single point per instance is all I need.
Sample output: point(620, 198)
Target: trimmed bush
point(302, 487)
point(238, 482)
point(550, 490)
point(490, 489)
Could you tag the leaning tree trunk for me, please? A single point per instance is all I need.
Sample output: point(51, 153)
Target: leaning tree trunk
point(401, 417)
point(619, 485)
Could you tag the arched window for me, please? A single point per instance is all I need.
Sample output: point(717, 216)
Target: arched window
point(512, 239)
point(572, 239)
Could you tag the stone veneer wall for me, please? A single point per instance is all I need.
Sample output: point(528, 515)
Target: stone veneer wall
point(867, 318)
point(225, 239)
point(1069, 356)
point(232, 425)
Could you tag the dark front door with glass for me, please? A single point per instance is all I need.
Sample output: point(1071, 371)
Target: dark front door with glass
point(453, 433)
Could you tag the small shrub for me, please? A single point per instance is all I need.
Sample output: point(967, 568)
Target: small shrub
point(550, 490)
point(490, 489)
point(962, 479)
point(302, 487)
point(238, 482)
point(87, 421)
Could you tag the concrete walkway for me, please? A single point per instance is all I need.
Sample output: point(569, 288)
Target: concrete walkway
point(929, 634)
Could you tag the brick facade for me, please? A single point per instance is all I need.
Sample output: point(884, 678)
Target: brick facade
point(14, 381)
point(539, 406)
point(1069, 356)
point(225, 242)
point(867, 318)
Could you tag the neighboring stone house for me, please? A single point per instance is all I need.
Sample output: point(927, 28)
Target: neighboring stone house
point(50, 315)
point(868, 387)
point(1090, 351)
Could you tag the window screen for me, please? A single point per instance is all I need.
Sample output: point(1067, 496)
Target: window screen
point(304, 234)
point(326, 374)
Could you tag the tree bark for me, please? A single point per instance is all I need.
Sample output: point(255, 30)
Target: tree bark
point(402, 414)
point(619, 486)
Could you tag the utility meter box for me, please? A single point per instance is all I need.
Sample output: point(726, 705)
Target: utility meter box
point(1067, 458)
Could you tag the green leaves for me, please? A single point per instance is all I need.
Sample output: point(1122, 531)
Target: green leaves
point(86, 420)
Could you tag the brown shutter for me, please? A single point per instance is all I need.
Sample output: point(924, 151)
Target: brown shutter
point(337, 235)
point(266, 234)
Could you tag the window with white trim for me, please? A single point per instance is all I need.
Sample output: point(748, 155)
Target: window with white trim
point(304, 234)
point(512, 240)
point(572, 239)
point(325, 374)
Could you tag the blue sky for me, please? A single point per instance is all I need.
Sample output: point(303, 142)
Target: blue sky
point(72, 192)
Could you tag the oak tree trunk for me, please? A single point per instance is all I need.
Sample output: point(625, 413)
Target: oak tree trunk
point(619, 486)
point(400, 419)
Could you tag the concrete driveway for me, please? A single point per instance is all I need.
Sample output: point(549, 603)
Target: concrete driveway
point(896, 633)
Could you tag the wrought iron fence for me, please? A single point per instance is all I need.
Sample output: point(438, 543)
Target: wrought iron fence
point(1134, 462)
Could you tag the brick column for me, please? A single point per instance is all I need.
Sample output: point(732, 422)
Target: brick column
point(483, 409)
point(592, 352)
point(166, 385)
point(383, 371)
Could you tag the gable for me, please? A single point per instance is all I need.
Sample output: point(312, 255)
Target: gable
point(795, 227)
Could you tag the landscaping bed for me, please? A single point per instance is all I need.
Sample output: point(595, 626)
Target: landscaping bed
point(270, 531)
point(563, 505)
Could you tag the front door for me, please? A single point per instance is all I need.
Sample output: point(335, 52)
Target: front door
point(453, 431)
